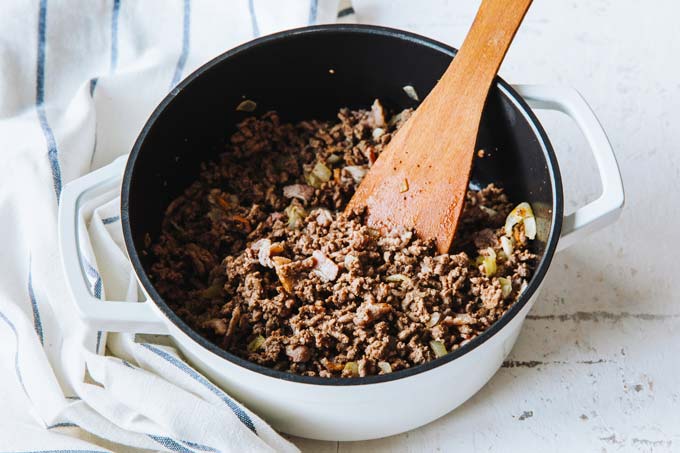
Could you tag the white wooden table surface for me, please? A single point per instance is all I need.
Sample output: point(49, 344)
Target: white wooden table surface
point(596, 367)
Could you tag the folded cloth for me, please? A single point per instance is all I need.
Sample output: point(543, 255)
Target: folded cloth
point(77, 81)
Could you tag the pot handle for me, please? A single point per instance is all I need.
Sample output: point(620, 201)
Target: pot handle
point(607, 207)
point(109, 316)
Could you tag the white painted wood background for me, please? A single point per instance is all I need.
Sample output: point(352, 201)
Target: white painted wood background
point(596, 367)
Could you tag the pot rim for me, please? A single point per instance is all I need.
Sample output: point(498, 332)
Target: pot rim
point(506, 89)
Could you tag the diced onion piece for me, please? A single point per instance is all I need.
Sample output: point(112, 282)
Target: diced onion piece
point(530, 227)
point(280, 261)
point(323, 217)
point(300, 191)
point(411, 92)
point(357, 172)
point(333, 159)
point(385, 367)
point(488, 211)
point(438, 348)
point(256, 343)
point(257, 245)
point(488, 262)
point(350, 260)
point(462, 319)
point(295, 216)
point(378, 132)
point(264, 252)
point(325, 267)
point(521, 214)
point(395, 119)
point(489, 266)
point(276, 248)
point(378, 113)
point(508, 248)
point(510, 221)
point(246, 106)
point(321, 171)
point(506, 286)
point(312, 179)
point(332, 366)
point(398, 278)
point(352, 368)
point(434, 319)
point(319, 175)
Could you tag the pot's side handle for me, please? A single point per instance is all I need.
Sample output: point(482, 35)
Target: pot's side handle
point(110, 316)
point(607, 207)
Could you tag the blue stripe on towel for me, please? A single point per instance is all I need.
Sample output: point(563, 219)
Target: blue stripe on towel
point(98, 288)
point(99, 341)
point(63, 425)
point(37, 323)
point(114, 36)
point(200, 447)
point(186, 30)
point(16, 352)
point(94, 146)
point(114, 44)
point(109, 220)
point(92, 272)
point(253, 18)
point(238, 411)
point(313, 8)
point(52, 152)
point(167, 442)
point(98, 284)
point(128, 364)
point(170, 444)
point(93, 85)
point(113, 63)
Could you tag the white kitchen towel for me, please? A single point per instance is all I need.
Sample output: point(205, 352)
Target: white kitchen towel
point(77, 81)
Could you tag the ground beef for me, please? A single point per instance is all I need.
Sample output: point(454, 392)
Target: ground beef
point(258, 256)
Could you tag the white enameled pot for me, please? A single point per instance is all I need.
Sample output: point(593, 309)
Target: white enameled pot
point(346, 412)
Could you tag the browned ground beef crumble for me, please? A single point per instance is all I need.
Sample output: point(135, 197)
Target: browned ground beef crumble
point(268, 267)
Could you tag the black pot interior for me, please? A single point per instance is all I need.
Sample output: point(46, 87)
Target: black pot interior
point(311, 73)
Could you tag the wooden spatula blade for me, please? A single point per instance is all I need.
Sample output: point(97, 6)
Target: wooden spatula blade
point(423, 186)
point(420, 180)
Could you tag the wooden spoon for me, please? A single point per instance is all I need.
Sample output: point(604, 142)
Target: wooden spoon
point(420, 180)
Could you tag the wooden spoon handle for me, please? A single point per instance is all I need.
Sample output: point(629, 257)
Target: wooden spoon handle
point(483, 50)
